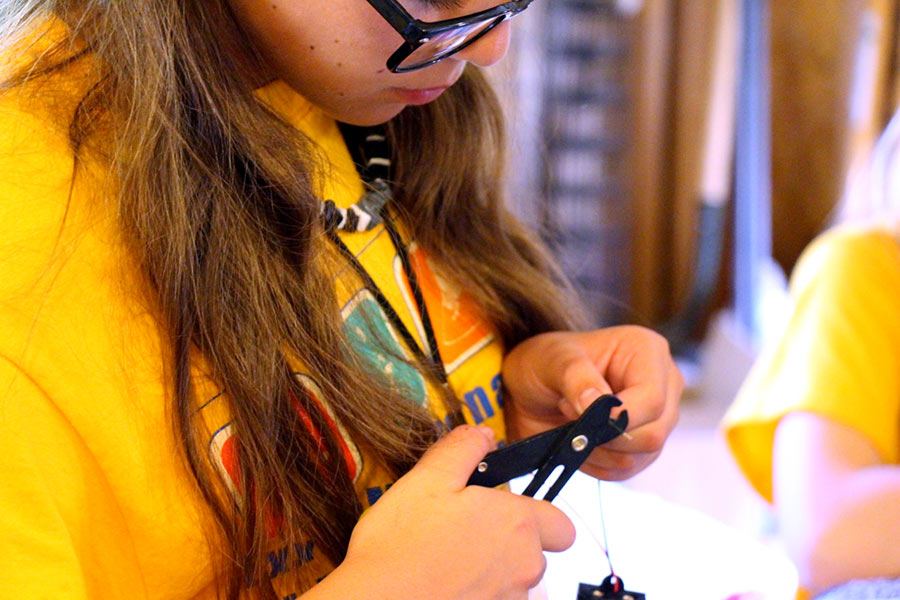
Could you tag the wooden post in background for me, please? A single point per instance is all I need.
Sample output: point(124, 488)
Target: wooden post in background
point(650, 158)
point(813, 44)
point(683, 139)
point(694, 48)
point(871, 91)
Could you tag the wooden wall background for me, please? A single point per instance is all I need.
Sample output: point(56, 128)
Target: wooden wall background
point(684, 86)
point(834, 83)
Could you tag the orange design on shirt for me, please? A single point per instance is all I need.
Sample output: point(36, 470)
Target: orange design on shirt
point(458, 324)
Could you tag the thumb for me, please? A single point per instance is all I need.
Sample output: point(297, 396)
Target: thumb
point(450, 461)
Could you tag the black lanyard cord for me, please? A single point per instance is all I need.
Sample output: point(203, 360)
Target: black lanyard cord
point(432, 361)
point(370, 150)
point(430, 338)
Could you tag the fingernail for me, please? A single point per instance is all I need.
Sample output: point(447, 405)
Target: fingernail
point(587, 398)
point(566, 407)
point(487, 431)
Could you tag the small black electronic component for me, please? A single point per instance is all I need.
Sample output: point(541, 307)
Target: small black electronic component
point(612, 588)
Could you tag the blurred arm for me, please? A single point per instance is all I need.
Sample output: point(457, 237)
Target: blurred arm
point(837, 502)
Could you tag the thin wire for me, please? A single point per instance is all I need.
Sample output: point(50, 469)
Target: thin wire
point(603, 525)
point(601, 545)
point(621, 431)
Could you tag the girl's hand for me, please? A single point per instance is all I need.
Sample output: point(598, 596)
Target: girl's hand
point(430, 536)
point(551, 378)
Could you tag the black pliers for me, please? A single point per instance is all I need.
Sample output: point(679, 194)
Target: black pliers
point(567, 446)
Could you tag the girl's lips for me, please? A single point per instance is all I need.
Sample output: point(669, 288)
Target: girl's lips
point(421, 96)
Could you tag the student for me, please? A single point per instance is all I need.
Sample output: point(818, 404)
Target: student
point(816, 426)
point(253, 261)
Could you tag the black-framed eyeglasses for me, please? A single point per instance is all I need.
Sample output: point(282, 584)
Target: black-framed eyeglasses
point(426, 43)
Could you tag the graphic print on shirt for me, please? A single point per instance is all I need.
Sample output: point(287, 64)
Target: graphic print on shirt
point(352, 455)
point(458, 327)
point(223, 451)
point(223, 448)
point(367, 329)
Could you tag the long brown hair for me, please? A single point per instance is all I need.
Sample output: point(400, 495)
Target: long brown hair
point(216, 194)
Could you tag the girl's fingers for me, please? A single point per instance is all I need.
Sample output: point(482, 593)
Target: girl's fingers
point(582, 383)
point(554, 377)
point(557, 532)
point(650, 418)
point(611, 465)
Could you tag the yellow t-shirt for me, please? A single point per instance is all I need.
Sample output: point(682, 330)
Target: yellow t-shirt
point(839, 356)
point(95, 501)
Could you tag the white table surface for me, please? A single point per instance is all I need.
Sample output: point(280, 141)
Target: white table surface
point(666, 551)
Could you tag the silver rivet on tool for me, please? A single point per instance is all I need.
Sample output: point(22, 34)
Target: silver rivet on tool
point(482, 467)
point(598, 594)
point(579, 443)
point(627, 597)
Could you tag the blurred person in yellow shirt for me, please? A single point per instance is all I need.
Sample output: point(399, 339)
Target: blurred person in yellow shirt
point(816, 425)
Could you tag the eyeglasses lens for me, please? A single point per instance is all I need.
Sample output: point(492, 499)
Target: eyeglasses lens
point(448, 42)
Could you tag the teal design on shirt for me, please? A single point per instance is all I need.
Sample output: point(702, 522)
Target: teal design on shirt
point(370, 336)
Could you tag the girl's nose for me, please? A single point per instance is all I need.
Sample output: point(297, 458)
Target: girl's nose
point(489, 49)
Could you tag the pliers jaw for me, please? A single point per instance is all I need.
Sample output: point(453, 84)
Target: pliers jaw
point(567, 446)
